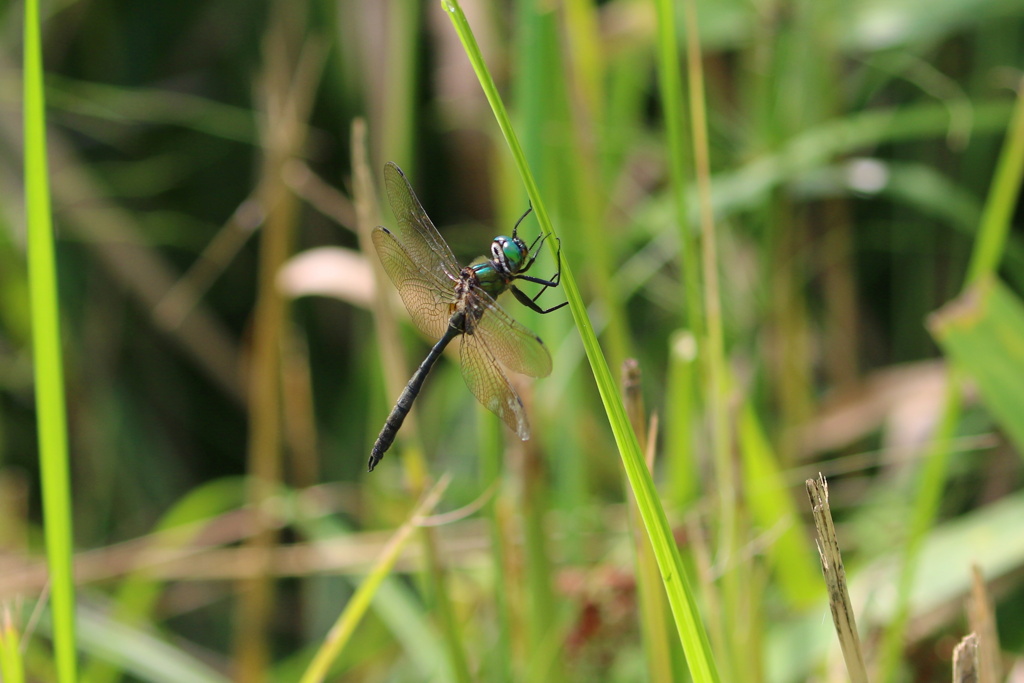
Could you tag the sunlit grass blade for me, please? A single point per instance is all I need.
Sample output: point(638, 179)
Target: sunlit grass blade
point(397, 604)
point(360, 601)
point(12, 668)
point(47, 356)
point(677, 586)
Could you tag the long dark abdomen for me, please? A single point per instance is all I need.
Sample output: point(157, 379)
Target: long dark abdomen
point(404, 404)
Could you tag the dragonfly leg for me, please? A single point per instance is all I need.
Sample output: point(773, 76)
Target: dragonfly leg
point(543, 289)
point(532, 303)
point(553, 282)
point(533, 251)
point(516, 226)
point(555, 279)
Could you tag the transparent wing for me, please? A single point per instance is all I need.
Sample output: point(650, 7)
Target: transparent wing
point(427, 295)
point(515, 346)
point(421, 239)
point(490, 386)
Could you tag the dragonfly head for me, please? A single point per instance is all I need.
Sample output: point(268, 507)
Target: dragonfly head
point(509, 253)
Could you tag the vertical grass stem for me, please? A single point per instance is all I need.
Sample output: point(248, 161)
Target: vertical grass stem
point(673, 574)
point(47, 358)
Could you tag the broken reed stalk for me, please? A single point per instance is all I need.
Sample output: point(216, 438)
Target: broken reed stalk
point(965, 660)
point(982, 621)
point(835, 580)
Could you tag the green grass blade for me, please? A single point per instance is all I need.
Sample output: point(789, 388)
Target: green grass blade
point(540, 97)
point(48, 362)
point(653, 608)
point(399, 111)
point(12, 668)
point(983, 333)
point(684, 609)
point(926, 505)
point(773, 509)
point(984, 260)
point(670, 87)
point(681, 469)
point(353, 613)
point(499, 665)
point(1002, 199)
point(140, 652)
point(138, 593)
point(447, 621)
point(396, 603)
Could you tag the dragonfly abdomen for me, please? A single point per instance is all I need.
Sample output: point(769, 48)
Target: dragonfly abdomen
point(409, 394)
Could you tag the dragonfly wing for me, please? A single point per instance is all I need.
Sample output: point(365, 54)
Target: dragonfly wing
point(488, 383)
point(427, 295)
point(415, 230)
point(518, 349)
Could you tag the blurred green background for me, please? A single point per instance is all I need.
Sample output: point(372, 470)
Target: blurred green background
point(202, 158)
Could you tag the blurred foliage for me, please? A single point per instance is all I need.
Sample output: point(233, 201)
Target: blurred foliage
point(852, 149)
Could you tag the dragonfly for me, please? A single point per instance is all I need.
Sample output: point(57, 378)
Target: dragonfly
point(446, 301)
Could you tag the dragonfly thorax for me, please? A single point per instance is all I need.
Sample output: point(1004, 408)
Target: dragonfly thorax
point(467, 309)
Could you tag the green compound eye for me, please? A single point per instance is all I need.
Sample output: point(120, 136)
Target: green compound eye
point(512, 249)
point(513, 252)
